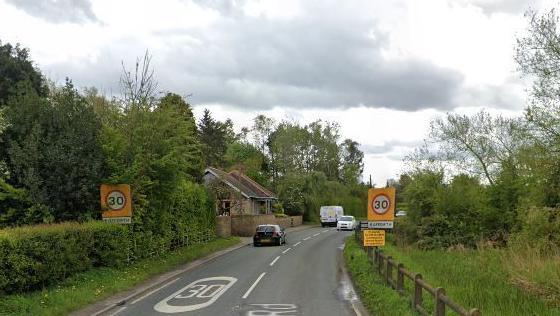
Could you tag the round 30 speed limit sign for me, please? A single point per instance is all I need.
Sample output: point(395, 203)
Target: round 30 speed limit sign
point(116, 201)
point(381, 204)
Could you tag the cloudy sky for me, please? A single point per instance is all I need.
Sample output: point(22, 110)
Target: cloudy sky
point(382, 69)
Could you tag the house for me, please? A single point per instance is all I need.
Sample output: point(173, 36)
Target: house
point(237, 194)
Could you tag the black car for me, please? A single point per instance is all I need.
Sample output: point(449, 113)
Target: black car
point(269, 234)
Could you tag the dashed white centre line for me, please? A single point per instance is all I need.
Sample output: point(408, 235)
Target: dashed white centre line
point(299, 242)
point(283, 252)
point(254, 285)
point(326, 230)
point(306, 238)
point(274, 261)
point(316, 234)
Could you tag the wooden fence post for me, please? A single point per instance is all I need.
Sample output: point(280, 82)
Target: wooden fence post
point(389, 272)
point(440, 304)
point(475, 312)
point(379, 262)
point(417, 291)
point(400, 279)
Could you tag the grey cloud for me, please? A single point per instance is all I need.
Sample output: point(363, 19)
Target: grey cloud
point(57, 11)
point(322, 59)
point(510, 95)
point(225, 7)
point(504, 6)
point(388, 147)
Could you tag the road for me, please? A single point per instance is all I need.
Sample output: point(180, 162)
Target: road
point(303, 277)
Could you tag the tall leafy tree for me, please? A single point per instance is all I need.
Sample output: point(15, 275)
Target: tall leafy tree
point(352, 161)
point(54, 151)
point(215, 137)
point(17, 69)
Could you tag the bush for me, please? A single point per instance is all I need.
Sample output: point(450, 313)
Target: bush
point(35, 256)
point(540, 228)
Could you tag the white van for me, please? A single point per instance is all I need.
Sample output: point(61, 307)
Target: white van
point(330, 215)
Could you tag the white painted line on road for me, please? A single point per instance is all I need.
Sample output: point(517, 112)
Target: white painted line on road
point(253, 286)
point(118, 311)
point(283, 252)
point(198, 294)
point(316, 234)
point(306, 238)
point(274, 261)
point(152, 292)
point(324, 231)
point(299, 242)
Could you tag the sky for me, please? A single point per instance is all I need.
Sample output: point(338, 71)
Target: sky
point(381, 69)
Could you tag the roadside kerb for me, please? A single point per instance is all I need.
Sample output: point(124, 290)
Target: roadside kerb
point(118, 300)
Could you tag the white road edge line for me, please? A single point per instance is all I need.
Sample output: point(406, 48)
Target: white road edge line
point(299, 242)
point(118, 311)
point(274, 261)
point(283, 252)
point(152, 292)
point(254, 285)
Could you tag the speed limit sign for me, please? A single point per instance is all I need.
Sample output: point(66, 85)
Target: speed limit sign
point(381, 204)
point(116, 200)
point(116, 203)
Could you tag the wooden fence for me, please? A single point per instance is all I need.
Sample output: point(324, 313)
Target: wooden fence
point(386, 267)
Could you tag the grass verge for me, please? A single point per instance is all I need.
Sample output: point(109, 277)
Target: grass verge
point(97, 284)
point(375, 295)
point(473, 278)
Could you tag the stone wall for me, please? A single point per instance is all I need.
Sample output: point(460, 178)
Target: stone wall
point(245, 225)
point(223, 226)
point(291, 221)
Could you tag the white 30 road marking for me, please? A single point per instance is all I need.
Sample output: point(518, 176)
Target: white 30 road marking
point(283, 252)
point(197, 290)
point(274, 261)
point(299, 242)
point(254, 285)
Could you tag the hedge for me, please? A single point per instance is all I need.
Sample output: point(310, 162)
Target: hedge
point(32, 257)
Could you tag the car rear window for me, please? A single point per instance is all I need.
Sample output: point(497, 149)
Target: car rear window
point(265, 229)
point(346, 218)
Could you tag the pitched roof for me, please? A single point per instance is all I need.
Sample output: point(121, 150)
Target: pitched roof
point(243, 183)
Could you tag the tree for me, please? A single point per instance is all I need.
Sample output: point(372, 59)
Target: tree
point(479, 144)
point(215, 137)
point(16, 69)
point(139, 86)
point(54, 152)
point(352, 161)
point(248, 159)
point(538, 57)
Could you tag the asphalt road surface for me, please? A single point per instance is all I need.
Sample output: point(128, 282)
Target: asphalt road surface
point(303, 277)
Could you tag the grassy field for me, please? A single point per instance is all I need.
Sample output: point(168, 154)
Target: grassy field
point(376, 297)
point(94, 285)
point(484, 279)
